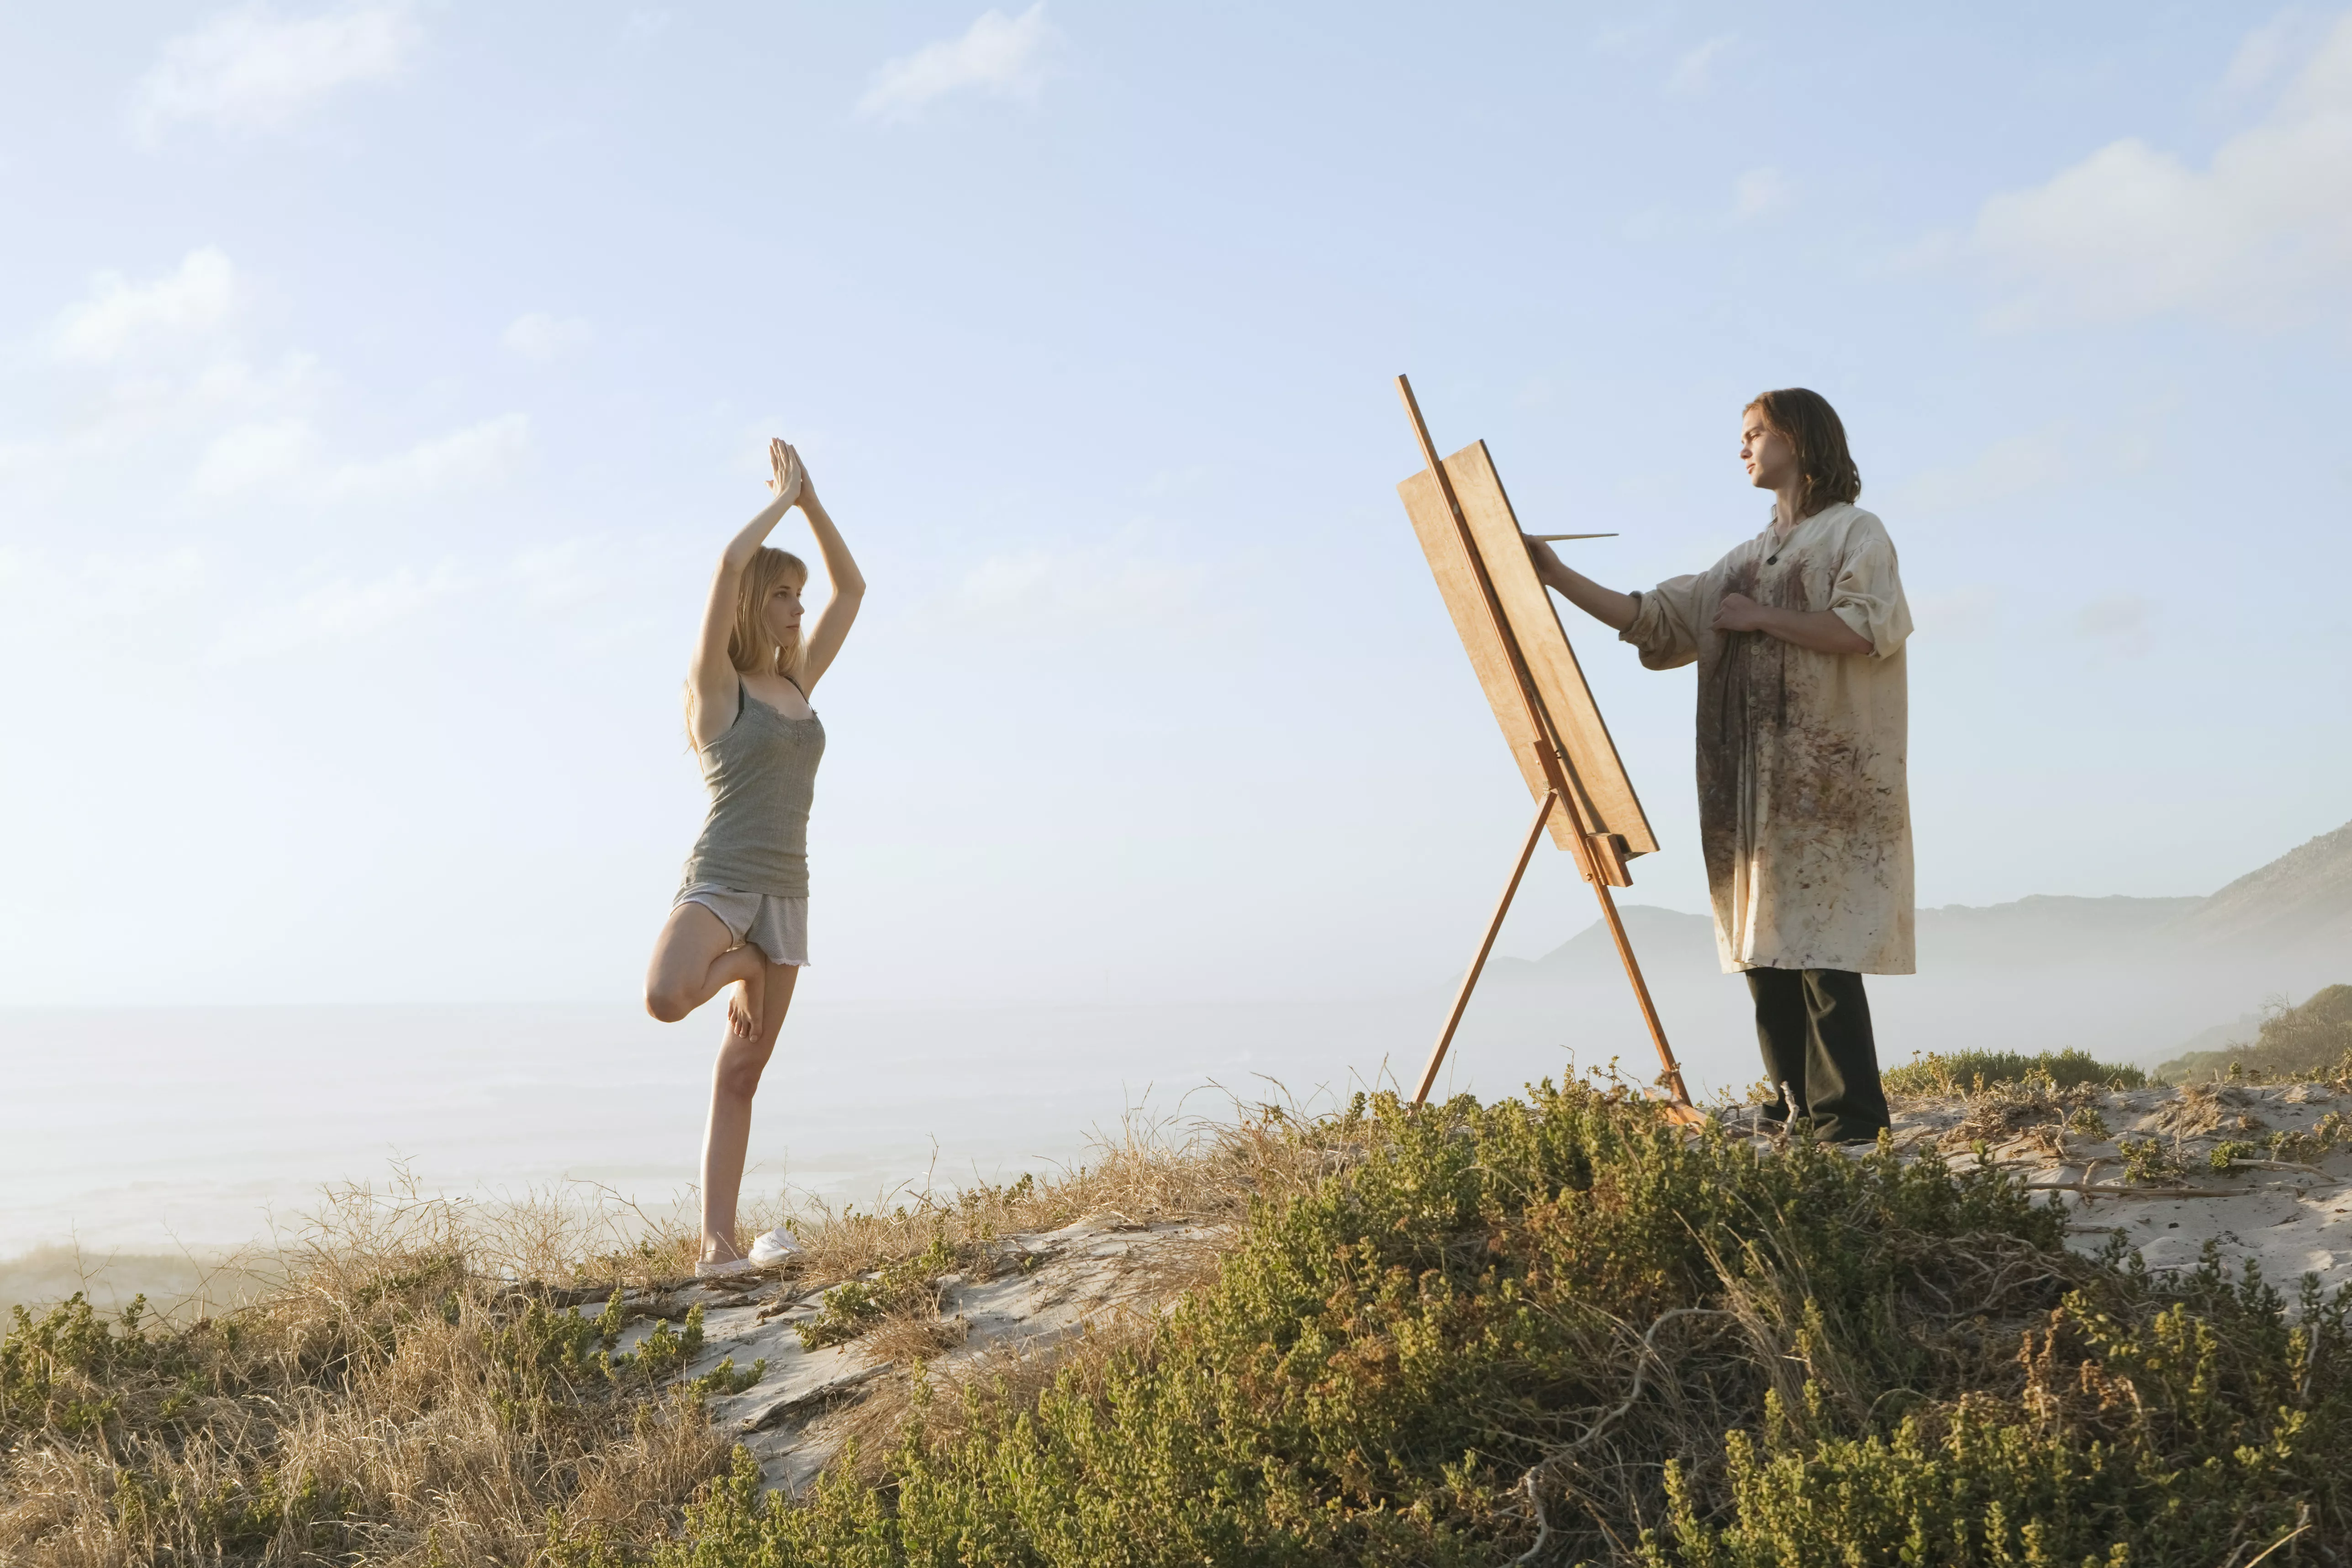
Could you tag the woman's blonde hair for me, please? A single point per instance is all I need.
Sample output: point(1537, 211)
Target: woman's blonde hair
point(749, 647)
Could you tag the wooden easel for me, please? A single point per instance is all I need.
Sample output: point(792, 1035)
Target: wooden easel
point(1600, 855)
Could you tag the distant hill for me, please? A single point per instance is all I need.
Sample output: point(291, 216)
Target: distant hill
point(2295, 1039)
point(2128, 979)
point(2047, 928)
point(2303, 897)
point(2302, 900)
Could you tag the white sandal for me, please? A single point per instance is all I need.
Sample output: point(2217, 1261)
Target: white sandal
point(724, 1270)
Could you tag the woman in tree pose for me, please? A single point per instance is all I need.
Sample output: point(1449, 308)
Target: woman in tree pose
point(741, 914)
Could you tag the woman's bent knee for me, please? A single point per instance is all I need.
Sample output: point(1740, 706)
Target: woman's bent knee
point(668, 1005)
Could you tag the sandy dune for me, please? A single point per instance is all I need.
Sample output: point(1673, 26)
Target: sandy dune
point(2291, 1217)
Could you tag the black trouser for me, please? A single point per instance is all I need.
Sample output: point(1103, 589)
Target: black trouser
point(1815, 1027)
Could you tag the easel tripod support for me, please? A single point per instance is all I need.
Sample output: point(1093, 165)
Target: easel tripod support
point(1600, 856)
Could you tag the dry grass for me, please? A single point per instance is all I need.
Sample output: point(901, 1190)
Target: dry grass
point(912, 1337)
point(1150, 1170)
point(393, 1400)
point(2003, 1111)
point(2201, 1108)
point(414, 1390)
point(1202, 1173)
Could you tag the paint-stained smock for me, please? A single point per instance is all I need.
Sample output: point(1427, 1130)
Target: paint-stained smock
point(1804, 815)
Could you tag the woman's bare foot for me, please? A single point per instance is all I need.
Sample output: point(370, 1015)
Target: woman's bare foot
point(743, 1007)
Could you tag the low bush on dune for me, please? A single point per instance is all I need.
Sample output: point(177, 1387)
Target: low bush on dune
point(1549, 1329)
point(1964, 1072)
point(2312, 1041)
point(1554, 1329)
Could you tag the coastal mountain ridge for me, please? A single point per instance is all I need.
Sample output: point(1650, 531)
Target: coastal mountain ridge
point(2304, 895)
point(2127, 979)
point(2303, 898)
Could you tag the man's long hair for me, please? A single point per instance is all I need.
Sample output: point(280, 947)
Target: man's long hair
point(1810, 424)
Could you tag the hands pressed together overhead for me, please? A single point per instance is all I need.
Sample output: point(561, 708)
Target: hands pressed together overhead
point(790, 476)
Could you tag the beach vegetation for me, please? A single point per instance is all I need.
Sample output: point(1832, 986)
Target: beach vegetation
point(1973, 1072)
point(2312, 1041)
point(1551, 1329)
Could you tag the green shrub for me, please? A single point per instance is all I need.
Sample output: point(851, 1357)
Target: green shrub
point(2180, 1431)
point(856, 1305)
point(1966, 1072)
point(2312, 1041)
point(1687, 1353)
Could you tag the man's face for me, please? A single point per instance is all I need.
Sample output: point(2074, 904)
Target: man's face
point(1769, 459)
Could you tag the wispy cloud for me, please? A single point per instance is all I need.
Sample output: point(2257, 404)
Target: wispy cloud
point(281, 454)
point(476, 455)
point(1047, 594)
point(2120, 623)
point(566, 572)
point(252, 456)
point(1693, 73)
point(249, 69)
point(645, 22)
point(97, 597)
point(340, 611)
point(540, 336)
point(2268, 53)
point(1958, 614)
point(154, 366)
point(119, 314)
point(2261, 234)
point(999, 56)
point(1758, 192)
point(2008, 468)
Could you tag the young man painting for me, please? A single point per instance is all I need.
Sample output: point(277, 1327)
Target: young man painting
point(1804, 815)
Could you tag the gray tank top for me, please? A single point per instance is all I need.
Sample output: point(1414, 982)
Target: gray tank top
point(762, 775)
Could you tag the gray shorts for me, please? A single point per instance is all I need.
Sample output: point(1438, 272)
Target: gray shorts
point(777, 926)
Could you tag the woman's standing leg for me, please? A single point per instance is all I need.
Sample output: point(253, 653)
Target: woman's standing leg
point(733, 1082)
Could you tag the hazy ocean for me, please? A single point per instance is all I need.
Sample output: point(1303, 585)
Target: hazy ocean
point(145, 1129)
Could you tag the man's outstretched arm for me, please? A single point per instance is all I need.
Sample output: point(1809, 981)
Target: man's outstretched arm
point(1610, 608)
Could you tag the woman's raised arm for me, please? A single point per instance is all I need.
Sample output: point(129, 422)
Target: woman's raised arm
point(823, 639)
point(710, 673)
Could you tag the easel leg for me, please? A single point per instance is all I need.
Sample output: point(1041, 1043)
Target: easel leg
point(1681, 1109)
point(1589, 861)
point(1493, 928)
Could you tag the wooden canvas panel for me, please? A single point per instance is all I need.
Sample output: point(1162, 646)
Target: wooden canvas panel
point(1604, 791)
point(1442, 543)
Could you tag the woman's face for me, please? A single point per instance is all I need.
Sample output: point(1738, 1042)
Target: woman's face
point(1767, 455)
point(782, 613)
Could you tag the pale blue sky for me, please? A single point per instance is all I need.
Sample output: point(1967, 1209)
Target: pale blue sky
point(378, 383)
